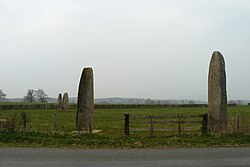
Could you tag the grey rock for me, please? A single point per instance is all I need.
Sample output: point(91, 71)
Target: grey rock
point(85, 101)
point(59, 101)
point(217, 94)
point(65, 102)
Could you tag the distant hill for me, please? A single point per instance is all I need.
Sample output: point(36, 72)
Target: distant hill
point(120, 100)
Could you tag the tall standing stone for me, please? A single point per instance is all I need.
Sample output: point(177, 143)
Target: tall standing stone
point(65, 102)
point(85, 101)
point(217, 94)
point(59, 101)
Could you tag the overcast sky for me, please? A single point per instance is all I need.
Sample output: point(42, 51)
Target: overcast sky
point(137, 48)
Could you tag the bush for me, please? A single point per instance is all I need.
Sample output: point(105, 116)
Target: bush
point(16, 121)
point(239, 123)
point(11, 123)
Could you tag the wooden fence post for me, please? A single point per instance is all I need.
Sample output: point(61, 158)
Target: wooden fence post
point(126, 124)
point(204, 128)
point(151, 126)
point(54, 127)
point(23, 120)
point(179, 125)
point(238, 123)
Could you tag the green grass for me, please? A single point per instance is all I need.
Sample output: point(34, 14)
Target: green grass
point(39, 131)
point(19, 103)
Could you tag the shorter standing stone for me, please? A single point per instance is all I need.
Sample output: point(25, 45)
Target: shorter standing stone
point(59, 101)
point(65, 102)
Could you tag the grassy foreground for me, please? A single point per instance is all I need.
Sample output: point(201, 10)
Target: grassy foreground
point(40, 133)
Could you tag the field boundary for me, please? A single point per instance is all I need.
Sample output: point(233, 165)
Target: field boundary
point(25, 106)
point(97, 106)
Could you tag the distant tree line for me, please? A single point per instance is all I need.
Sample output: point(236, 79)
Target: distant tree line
point(38, 95)
point(2, 95)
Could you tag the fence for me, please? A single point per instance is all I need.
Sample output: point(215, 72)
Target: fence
point(164, 120)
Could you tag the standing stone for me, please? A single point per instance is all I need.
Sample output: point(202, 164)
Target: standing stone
point(59, 101)
point(217, 94)
point(65, 102)
point(85, 101)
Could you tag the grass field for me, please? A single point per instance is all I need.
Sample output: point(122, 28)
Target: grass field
point(39, 131)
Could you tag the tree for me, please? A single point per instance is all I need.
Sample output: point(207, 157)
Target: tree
point(149, 101)
point(30, 96)
point(41, 96)
point(2, 95)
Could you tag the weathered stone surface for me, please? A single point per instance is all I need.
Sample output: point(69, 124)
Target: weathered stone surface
point(59, 101)
point(65, 102)
point(85, 101)
point(217, 94)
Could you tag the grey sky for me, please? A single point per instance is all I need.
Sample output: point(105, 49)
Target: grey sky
point(137, 48)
